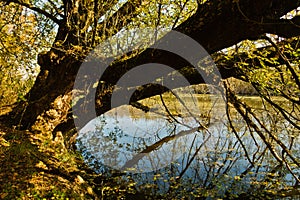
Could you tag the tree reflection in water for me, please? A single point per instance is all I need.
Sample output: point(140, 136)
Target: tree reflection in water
point(180, 156)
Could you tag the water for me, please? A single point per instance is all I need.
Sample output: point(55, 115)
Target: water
point(155, 149)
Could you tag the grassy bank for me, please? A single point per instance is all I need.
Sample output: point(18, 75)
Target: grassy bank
point(36, 167)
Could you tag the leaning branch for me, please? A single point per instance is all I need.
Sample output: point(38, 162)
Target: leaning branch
point(283, 27)
point(33, 8)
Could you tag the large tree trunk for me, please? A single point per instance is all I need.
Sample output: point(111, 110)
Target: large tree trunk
point(56, 78)
point(58, 69)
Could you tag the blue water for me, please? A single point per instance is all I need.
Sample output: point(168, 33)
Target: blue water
point(116, 142)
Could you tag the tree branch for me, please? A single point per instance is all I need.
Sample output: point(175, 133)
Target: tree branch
point(33, 8)
point(58, 10)
point(214, 30)
point(283, 27)
point(119, 19)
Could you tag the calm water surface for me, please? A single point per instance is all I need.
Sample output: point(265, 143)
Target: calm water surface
point(194, 148)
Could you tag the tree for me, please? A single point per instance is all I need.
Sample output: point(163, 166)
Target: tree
point(79, 29)
point(259, 37)
point(18, 35)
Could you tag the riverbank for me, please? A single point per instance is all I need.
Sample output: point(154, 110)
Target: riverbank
point(33, 167)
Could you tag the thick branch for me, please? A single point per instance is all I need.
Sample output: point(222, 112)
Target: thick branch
point(283, 27)
point(218, 24)
point(256, 10)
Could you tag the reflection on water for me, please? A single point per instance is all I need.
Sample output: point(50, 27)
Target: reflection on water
point(165, 150)
point(138, 144)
